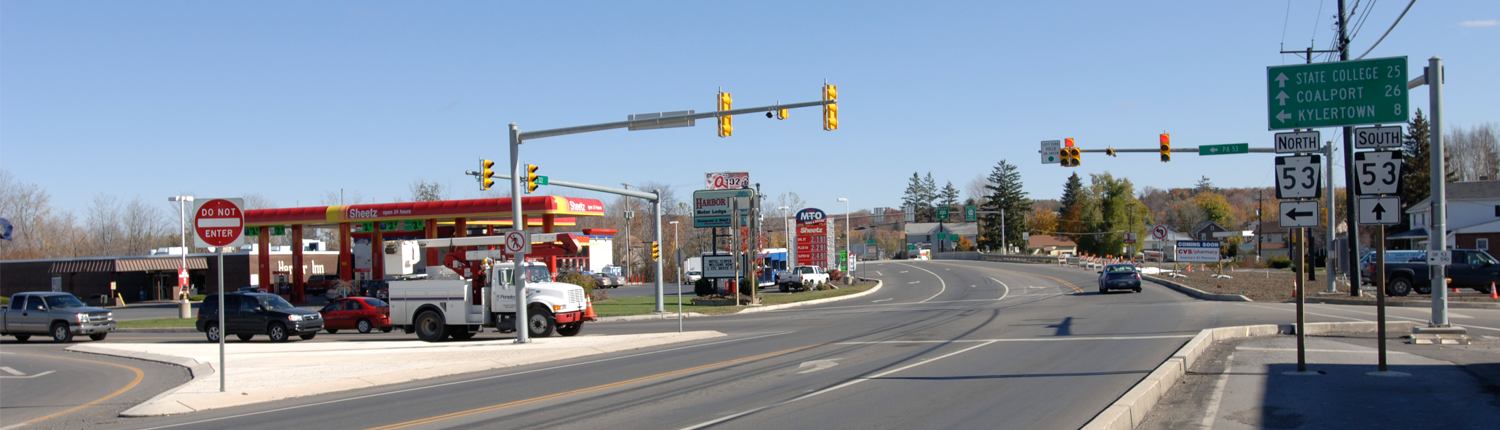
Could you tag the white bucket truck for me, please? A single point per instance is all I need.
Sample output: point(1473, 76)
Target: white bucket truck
point(467, 295)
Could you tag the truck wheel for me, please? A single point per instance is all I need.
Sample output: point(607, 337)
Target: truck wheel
point(570, 329)
point(98, 336)
point(430, 327)
point(211, 329)
point(1399, 287)
point(539, 322)
point(363, 326)
point(277, 332)
point(783, 287)
point(61, 333)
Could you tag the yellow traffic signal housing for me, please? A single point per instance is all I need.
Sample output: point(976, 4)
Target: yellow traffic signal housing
point(1166, 147)
point(783, 113)
point(1063, 158)
point(726, 124)
point(655, 251)
point(486, 180)
point(1073, 154)
point(831, 110)
point(1110, 152)
point(531, 178)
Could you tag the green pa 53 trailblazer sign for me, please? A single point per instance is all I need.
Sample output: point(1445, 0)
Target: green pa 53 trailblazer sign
point(1337, 94)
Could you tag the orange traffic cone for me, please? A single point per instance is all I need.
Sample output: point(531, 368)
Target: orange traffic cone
point(1294, 289)
point(1493, 295)
point(1190, 268)
point(588, 313)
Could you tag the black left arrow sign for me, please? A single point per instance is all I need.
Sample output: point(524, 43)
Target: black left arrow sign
point(1293, 214)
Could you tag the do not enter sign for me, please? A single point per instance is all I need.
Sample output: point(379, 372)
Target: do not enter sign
point(218, 222)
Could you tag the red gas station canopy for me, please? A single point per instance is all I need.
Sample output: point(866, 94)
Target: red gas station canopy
point(477, 209)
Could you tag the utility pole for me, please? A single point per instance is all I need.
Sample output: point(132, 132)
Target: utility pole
point(1349, 205)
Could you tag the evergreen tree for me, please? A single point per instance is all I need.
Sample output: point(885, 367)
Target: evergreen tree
point(915, 197)
point(1072, 191)
point(949, 195)
point(1006, 194)
point(1204, 185)
point(1071, 219)
point(930, 192)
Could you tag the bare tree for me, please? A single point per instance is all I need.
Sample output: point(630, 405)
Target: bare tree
point(1474, 153)
point(103, 225)
point(423, 191)
point(28, 208)
point(977, 189)
point(142, 227)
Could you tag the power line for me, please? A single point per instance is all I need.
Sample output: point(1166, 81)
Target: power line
point(1388, 31)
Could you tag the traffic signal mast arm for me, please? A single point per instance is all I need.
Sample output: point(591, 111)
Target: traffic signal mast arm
point(553, 182)
point(527, 135)
point(1175, 149)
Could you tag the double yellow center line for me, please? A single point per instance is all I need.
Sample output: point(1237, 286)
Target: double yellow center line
point(470, 412)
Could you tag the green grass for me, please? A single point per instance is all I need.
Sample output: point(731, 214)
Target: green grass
point(626, 306)
point(157, 323)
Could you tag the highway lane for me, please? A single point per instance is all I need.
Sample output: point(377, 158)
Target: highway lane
point(943, 344)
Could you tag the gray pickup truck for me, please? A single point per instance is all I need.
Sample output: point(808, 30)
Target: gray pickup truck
point(58, 314)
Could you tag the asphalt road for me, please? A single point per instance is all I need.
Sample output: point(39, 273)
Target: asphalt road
point(44, 386)
point(944, 344)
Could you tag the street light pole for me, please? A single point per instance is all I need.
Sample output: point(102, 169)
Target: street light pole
point(786, 238)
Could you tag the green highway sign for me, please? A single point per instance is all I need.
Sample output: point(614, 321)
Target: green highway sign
point(869, 241)
point(541, 180)
point(968, 213)
point(942, 213)
point(1228, 148)
point(1337, 94)
point(911, 247)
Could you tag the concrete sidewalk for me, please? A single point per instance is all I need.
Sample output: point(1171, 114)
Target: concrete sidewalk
point(1245, 378)
point(261, 372)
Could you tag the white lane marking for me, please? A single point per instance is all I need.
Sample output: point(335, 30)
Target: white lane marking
point(816, 365)
point(1214, 397)
point(943, 285)
point(913, 282)
point(367, 396)
point(877, 273)
point(881, 300)
point(1369, 351)
point(12, 371)
point(1044, 339)
point(1007, 289)
point(903, 271)
point(1369, 320)
point(21, 375)
point(830, 389)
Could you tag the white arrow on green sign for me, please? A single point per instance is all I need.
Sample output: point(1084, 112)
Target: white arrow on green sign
point(1229, 148)
point(1337, 94)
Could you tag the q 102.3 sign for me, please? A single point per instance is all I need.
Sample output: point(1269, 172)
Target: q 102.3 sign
point(1299, 177)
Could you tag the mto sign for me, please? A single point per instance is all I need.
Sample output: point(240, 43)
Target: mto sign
point(218, 222)
point(810, 215)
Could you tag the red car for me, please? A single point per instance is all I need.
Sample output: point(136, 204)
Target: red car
point(359, 313)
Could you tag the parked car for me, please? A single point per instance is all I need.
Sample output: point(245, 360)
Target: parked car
point(250, 314)
point(801, 278)
point(361, 314)
point(1119, 277)
point(692, 276)
point(60, 315)
point(375, 288)
point(610, 277)
point(318, 285)
point(1471, 269)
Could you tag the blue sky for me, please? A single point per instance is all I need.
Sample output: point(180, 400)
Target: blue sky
point(293, 99)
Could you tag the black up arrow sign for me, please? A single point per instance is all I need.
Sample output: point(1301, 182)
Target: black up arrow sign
point(1379, 212)
point(1293, 214)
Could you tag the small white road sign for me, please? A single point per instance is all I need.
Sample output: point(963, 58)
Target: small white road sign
point(1439, 258)
point(1378, 172)
point(516, 242)
point(1299, 177)
point(1299, 213)
point(1049, 151)
point(1377, 137)
point(1379, 210)
point(1297, 141)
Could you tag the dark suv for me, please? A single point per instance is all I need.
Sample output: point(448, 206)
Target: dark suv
point(249, 314)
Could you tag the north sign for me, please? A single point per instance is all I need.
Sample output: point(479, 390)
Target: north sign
point(1337, 94)
point(1298, 177)
point(1297, 141)
point(218, 222)
point(1378, 172)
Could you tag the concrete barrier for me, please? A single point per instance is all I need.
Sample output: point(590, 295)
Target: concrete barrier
point(1131, 409)
point(1197, 293)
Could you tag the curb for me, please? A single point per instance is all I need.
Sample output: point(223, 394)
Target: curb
point(1197, 293)
point(1406, 303)
point(1130, 409)
point(157, 330)
point(673, 315)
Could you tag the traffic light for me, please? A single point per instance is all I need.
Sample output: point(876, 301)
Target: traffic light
point(1063, 158)
point(783, 113)
point(655, 251)
point(1166, 147)
point(831, 110)
point(486, 178)
point(1073, 154)
point(726, 126)
point(531, 178)
point(1110, 152)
